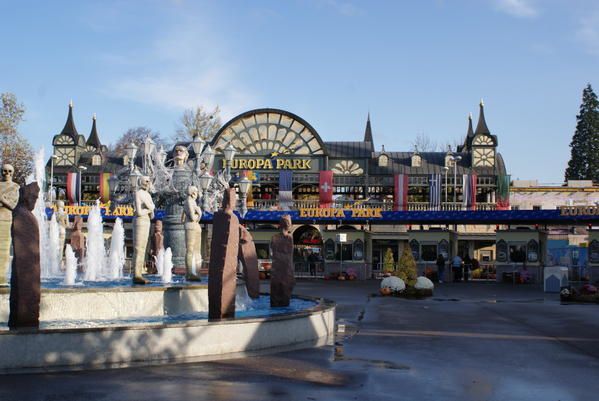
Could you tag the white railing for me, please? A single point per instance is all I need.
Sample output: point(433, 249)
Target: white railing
point(273, 204)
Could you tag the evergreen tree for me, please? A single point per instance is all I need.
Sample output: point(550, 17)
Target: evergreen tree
point(584, 161)
point(407, 268)
point(388, 261)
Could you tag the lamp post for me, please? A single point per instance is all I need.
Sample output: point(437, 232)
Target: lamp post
point(229, 155)
point(81, 170)
point(148, 148)
point(244, 187)
point(131, 152)
point(134, 180)
point(54, 157)
point(455, 160)
point(445, 169)
point(205, 180)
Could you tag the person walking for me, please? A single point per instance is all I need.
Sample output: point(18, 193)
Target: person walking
point(440, 267)
point(467, 267)
point(456, 267)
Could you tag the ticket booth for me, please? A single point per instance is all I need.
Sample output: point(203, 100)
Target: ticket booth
point(593, 254)
point(426, 245)
point(520, 255)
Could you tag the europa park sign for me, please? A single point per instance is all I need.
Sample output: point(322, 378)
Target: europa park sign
point(330, 212)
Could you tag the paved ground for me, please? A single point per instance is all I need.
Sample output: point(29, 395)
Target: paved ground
point(474, 341)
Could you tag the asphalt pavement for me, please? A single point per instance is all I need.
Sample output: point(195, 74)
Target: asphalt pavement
point(476, 341)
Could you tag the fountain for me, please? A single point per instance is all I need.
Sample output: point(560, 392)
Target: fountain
point(70, 273)
point(95, 258)
point(116, 258)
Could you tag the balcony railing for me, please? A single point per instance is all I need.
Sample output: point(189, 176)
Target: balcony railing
point(273, 204)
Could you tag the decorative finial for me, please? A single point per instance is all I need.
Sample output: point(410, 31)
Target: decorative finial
point(383, 146)
point(482, 104)
point(71, 103)
point(94, 117)
point(470, 116)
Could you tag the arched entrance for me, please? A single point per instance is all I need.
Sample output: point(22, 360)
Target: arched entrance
point(307, 252)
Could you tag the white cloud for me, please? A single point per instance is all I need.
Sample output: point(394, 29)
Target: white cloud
point(588, 33)
point(186, 66)
point(517, 8)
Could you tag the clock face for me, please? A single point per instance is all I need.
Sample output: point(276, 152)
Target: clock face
point(66, 156)
point(483, 157)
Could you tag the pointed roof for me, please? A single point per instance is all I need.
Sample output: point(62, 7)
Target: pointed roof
point(94, 139)
point(368, 132)
point(69, 127)
point(481, 127)
point(470, 132)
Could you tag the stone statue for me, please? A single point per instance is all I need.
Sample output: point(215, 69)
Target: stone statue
point(282, 279)
point(9, 196)
point(144, 213)
point(78, 239)
point(25, 278)
point(157, 241)
point(181, 156)
point(192, 214)
point(62, 218)
point(249, 261)
point(224, 253)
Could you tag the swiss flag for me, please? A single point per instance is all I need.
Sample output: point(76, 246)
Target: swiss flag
point(325, 188)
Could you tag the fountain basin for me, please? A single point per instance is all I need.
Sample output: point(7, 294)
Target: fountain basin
point(117, 299)
point(186, 340)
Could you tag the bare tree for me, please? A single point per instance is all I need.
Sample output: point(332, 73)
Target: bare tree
point(14, 148)
point(200, 122)
point(137, 136)
point(423, 143)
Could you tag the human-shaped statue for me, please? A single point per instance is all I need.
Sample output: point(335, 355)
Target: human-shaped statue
point(62, 218)
point(144, 213)
point(157, 242)
point(282, 279)
point(224, 257)
point(78, 240)
point(181, 154)
point(9, 196)
point(25, 278)
point(192, 214)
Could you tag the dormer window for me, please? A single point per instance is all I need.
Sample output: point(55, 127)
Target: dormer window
point(416, 160)
point(96, 160)
point(383, 160)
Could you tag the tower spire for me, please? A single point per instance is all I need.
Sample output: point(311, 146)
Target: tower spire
point(69, 127)
point(94, 139)
point(481, 127)
point(470, 132)
point(368, 132)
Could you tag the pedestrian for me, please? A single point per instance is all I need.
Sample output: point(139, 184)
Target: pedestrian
point(456, 267)
point(312, 260)
point(467, 267)
point(440, 267)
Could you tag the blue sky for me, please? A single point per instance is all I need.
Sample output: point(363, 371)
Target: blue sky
point(419, 67)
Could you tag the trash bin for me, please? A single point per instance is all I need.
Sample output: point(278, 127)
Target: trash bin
point(554, 278)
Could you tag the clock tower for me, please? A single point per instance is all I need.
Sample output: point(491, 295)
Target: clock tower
point(68, 145)
point(481, 143)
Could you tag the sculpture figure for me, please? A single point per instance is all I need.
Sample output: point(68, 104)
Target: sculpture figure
point(9, 196)
point(144, 213)
point(157, 242)
point(62, 218)
point(180, 157)
point(78, 240)
point(192, 214)
point(249, 261)
point(224, 253)
point(282, 279)
point(25, 278)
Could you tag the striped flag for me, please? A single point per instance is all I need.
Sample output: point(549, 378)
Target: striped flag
point(503, 192)
point(73, 184)
point(325, 188)
point(400, 192)
point(104, 187)
point(469, 191)
point(435, 192)
point(285, 189)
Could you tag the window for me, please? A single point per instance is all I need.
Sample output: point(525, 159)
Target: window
point(415, 248)
point(383, 160)
point(416, 160)
point(329, 249)
point(263, 251)
point(517, 253)
point(501, 251)
point(358, 250)
point(532, 254)
point(96, 160)
point(536, 207)
point(444, 249)
point(429, 252)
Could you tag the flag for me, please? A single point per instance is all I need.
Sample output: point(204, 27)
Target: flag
point(435, 192)
point(325, 188)
point(469, 191)
point(73, 184)
point(104, 187)
point(400, 192)
point(285, 189)
point(503, 192)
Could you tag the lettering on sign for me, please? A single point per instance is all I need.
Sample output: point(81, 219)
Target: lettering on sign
point(119, 211)
point(269, 164)
point(579, 210)
point(327, 212)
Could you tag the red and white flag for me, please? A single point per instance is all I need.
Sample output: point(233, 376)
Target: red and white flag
point(73, 183)
point(400, 192)
point(325, 188)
